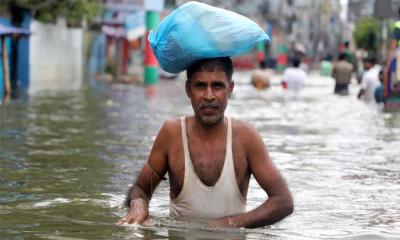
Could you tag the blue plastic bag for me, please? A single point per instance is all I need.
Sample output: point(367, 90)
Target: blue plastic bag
point(196, 30)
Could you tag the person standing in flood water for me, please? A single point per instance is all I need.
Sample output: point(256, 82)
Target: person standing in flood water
point(294, 77)
point(342, 73)
point(209, 159)
point(370, 80)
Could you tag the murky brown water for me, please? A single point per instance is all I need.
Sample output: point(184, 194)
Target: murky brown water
point(67, 159)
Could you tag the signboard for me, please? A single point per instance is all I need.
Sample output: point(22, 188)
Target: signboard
point(383, 9)
point(154, 5)
point(123, 5)
point(135, 25)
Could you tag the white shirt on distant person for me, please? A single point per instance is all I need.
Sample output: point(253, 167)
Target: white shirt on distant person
point(369, 83)
point(294, 78)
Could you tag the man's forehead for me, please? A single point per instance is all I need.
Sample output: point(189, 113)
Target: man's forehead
point(217, 73)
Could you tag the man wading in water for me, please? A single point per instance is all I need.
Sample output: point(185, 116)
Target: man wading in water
point(209, 159)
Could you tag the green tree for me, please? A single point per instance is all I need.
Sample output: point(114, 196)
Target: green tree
point(75, 11)
point(366, 34)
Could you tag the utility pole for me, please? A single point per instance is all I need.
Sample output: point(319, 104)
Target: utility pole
point(151, 75)
point(382, 11)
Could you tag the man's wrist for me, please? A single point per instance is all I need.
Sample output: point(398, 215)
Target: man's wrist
point(138, 201)
point(235, 221)
point(230, 222)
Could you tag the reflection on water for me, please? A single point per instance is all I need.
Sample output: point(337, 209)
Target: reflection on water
point(67, 160)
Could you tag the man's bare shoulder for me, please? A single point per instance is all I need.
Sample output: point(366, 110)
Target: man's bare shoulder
point(242, 125)
point(168, 134)
point(171, 127)
point(244, 130)
point(249, 141)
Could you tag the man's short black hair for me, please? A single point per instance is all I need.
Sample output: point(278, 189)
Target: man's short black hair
point(342, 56)
point(210, 64)
point(371, 59)
point(296, 62)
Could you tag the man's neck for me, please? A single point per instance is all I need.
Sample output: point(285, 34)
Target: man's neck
point(204, 131)
point(371, 67)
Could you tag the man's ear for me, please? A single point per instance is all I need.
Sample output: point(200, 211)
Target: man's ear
point(187, 88)
point(231, 86)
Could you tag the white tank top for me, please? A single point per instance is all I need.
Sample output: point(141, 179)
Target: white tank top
point(197, 200)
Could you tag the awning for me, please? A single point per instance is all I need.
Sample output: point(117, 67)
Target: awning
point(7, 30)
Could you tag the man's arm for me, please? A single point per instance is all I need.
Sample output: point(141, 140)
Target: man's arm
point(152, 173)
point(284, 80)
point(360, 93)
point(363, 85)
point(279, 203)
point(333, 74)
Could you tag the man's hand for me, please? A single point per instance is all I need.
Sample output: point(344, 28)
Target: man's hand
point(225, 222)
point(138, 212)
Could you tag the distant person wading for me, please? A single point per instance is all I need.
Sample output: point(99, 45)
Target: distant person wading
point(294, 77)
point(370, 80)
point(342, 72)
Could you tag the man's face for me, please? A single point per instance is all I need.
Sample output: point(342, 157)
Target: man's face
point(209, 92)
point(367, 65)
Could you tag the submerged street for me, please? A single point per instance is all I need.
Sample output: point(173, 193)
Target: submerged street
point(68, 158)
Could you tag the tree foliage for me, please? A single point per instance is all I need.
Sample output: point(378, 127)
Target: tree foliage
point(366, 33)
point(75, 11)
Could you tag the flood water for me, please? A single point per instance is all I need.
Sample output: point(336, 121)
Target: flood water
point(68, 158)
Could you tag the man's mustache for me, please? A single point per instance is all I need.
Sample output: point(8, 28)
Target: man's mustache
point(208, 105)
